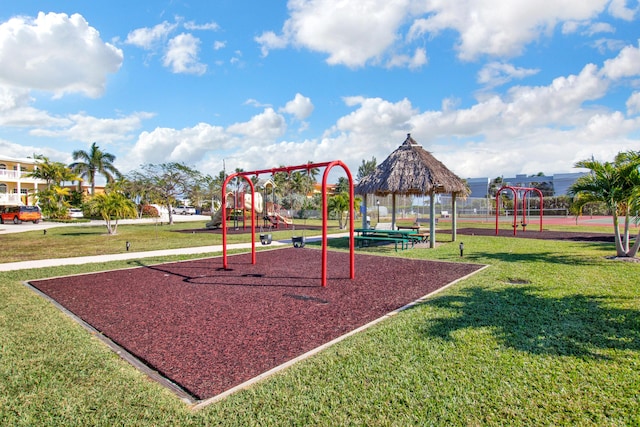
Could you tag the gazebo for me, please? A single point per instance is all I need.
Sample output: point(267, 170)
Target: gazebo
point(412, 170)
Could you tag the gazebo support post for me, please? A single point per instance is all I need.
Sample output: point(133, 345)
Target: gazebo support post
point(454, 217)
point(393, 211)
point(432, 219)
point(365, 212)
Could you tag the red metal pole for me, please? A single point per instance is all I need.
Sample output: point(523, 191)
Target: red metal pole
point(224, 223)
point(352, 273)
point(288, 169)
point(497, 208)
point(225, 262)
point(524, 209)
point(541, 206)
point(515, 211)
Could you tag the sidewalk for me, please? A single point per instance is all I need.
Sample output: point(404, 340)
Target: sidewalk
point(23, 265)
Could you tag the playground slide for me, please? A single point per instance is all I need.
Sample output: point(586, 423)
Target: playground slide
point(216, 219)
point(258, 202)
point(281, 218)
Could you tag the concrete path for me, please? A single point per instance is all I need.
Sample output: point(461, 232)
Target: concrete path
point(22, 265)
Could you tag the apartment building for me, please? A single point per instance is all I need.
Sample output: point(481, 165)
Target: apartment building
point(16, 187)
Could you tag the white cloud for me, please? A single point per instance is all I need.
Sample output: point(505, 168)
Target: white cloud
point(376, 116)
point(528, 129)
point(351, 33)
point(496, 74)
point(619, 9)
point(300, 106)
point(269, 41)
point(599, 27)
point(147, 38)
point(217, 45)
point(188, 145)
point(196, 145)
point(633, 103)
point(605, 45)
point(500, 28)
point(626, 64)
point(419, 59)
point(56, 53)
point(265, 126)
point(182, 55)
point(383, 32)
point(16, 110)
point(210, 26)
point(255, 103)
point(11, 149)
point(81, 127)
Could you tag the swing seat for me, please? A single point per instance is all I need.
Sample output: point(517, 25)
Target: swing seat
point(265, 239)
point(298, 242)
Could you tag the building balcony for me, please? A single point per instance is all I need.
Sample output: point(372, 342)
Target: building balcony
point(10, 199)
point(7, 175)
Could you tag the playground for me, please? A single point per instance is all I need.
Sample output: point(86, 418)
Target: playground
point(208, 327)
point(206, 331)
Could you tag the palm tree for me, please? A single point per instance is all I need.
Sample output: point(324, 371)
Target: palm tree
point(93, 163)
point(53, 200)
point(112, 206)
point(53, 173)
point(337, 205)
point(617, 185)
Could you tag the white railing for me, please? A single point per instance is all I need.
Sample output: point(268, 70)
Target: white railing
point(10, 199)
point(7, 174)
point(10, 174)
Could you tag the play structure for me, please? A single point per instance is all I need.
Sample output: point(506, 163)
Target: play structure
point(516, 191)
point(288, 169)
point(237, 205)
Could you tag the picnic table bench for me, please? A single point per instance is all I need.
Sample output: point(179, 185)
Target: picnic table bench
point(368, 235)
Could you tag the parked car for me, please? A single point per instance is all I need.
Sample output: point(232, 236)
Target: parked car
point(76, 213)
point(184, 210)
point(17, 214)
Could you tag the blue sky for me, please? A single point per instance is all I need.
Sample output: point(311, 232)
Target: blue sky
point(489, 87)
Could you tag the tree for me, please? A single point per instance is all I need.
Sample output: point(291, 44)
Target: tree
point(167, 182)
point(545, 187)
point(366, 168)
point(342, 186)
point(53, 173)
point(93, 163)
point(337, 205)
point(112, 206)
point(617, 185)
point(495, 184)
point(53, 200)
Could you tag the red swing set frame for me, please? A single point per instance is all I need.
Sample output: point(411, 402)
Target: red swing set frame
point(328, 166)
point(516, 190)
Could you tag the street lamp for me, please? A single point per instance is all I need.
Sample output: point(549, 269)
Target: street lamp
point(378, 203)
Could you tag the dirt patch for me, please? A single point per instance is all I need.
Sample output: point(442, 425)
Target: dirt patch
point(209, 329)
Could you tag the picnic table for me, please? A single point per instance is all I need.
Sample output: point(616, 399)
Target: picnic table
point(422, 237)
point(403, 236)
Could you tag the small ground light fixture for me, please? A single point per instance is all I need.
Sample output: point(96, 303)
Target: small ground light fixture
point(128, 245)
point(461, 248)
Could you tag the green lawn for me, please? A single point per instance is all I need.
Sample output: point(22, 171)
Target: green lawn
point(548, 335)
point(63, 242)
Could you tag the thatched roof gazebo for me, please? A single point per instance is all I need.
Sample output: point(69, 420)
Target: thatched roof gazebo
point(411, 170)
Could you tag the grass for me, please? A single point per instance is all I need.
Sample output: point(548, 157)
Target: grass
point(72, 241)
point(548, 335)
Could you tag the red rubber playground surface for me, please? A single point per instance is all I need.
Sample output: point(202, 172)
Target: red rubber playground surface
point(209, 330)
